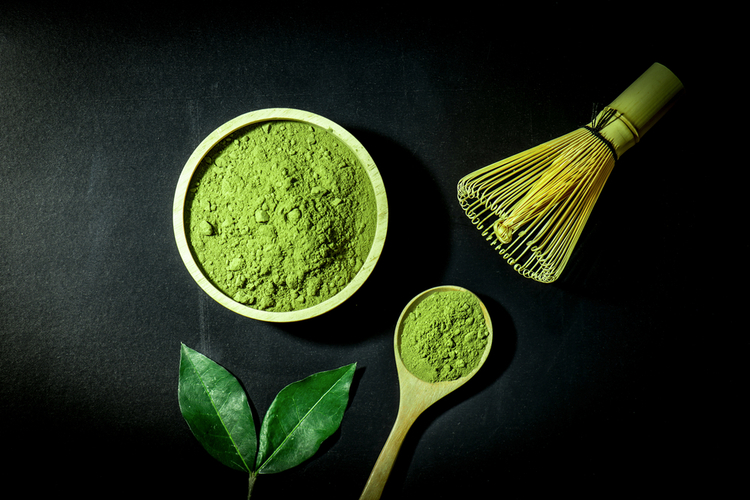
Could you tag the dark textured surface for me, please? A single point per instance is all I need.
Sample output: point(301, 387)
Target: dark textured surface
point(624, 375)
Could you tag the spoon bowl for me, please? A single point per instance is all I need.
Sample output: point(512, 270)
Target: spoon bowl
point(415, 395)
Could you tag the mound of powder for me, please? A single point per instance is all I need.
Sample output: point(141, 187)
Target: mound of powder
point(281, 215)
point(444, 336)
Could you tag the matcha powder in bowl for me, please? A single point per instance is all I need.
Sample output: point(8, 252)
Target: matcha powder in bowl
point(280, 215)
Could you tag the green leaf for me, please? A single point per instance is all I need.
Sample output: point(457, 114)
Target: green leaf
point(217, 411)
point(303, 415)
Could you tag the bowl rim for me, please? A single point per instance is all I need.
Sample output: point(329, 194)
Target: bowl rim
point(279, 114)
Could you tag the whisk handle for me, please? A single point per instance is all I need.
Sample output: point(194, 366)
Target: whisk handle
point(641, 105)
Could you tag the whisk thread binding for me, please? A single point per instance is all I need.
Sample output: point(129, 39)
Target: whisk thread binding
point(599, 123)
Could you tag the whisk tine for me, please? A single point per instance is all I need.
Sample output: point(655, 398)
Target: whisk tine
point(533, 206)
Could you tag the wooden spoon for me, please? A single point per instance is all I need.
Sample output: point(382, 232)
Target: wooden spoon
point(416, 396)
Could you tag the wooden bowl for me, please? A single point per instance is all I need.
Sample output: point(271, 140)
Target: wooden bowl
point(181, 231)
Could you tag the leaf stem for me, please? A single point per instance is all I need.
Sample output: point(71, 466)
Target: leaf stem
point(251, 484)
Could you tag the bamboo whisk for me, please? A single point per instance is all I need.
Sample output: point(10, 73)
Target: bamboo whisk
point(533, 206)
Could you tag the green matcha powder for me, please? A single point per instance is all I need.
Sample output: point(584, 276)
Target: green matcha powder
point(444, 336)
point(281, 215)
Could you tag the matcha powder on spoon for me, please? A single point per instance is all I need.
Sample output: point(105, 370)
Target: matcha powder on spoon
point(281, 215)
point(444, 336)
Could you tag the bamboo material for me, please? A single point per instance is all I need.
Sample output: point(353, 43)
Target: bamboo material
point(533, 206)
point(181, 231)
point(415, 396)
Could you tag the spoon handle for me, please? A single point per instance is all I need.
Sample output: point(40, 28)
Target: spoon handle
point(386, 459)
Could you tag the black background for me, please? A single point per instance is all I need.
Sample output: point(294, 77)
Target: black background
point(625, 376)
